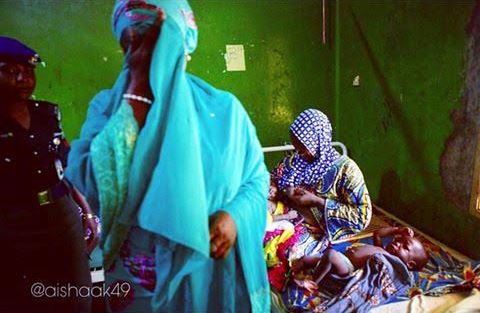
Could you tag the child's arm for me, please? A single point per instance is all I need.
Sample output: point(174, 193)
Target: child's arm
point(289, 216)
point(381, 233)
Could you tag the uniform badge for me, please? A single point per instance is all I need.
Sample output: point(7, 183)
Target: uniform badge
point(59, 168)
point(56, 141)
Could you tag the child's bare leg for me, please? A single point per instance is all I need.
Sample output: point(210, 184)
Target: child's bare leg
point(332, 261)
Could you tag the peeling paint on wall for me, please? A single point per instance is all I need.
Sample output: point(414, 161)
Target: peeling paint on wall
point(457, 160)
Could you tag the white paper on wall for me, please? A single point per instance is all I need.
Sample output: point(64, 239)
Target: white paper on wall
point(235, 58)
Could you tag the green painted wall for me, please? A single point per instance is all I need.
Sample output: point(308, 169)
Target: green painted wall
point(288, 69)
point(410, 58)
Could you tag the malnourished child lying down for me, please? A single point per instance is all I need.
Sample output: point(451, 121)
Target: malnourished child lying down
point(404, 246)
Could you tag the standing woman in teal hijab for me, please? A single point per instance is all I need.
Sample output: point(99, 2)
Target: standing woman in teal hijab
point(176, 171)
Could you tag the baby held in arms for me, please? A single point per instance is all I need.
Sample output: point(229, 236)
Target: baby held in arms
point(279, 217)
point(404, 246)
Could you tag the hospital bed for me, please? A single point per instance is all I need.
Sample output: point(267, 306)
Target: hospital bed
point(446, 268)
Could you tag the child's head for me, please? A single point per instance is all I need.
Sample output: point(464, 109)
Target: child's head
point(272, 192)
point(410, 250)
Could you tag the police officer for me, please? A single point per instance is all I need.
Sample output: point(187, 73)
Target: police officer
point(42, 236)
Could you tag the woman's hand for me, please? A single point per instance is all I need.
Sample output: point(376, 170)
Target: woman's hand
point(91, 228)
point(223, 233)
point(301, 198)
point(140, 49)
point(91, 223)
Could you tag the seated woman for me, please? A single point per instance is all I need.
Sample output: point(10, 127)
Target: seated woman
point(326, 188)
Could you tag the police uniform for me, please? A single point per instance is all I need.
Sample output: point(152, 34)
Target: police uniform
point(32, 161)
point(41, 231)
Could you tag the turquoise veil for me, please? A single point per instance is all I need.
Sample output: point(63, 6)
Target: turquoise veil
point(177, 175)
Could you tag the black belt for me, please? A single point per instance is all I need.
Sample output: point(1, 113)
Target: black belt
point(41, 198)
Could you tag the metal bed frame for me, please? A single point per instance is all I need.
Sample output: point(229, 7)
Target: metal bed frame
point(288, 147)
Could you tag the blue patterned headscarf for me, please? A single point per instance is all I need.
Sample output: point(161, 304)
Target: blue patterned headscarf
point(313, 129)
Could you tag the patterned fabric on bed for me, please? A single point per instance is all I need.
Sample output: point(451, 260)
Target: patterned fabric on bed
point(382, 277)
point(443, 274)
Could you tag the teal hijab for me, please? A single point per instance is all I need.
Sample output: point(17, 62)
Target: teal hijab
point(197, 153)
point(168, 155)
